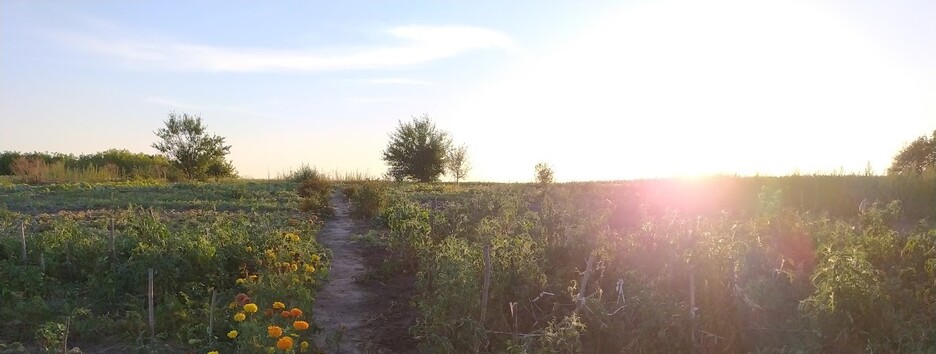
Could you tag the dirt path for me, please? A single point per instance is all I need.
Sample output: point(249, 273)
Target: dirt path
point(342, 304)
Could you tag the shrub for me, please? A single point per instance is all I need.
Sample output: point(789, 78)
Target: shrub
point(367, 200)
point(314, 184)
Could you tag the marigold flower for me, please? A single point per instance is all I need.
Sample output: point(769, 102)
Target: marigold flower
point(278, 264)
point(232, 334)
point(213, 352)
point(252, 278)
point(316, 258)
point(309, 268)
point(279, 305)
point(295, 312)
point(293, 267)
point(232, 305)
point(292, 237)
point(285, 314)
point(303, 346)
point(248, 249)
point(271, 350)
point(240, 281)
point(250, 308)
point(274, 331)
point(301, 325)
point(285, 343)
point(240, 316)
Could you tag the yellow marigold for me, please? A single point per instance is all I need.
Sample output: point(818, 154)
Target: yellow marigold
point(303, 346)
point(232, 334)
point(309, 268)
point(271, 350)
point(301, 325)
point(292, 237)
point(250, 308)
point(316, 258)
point(293, 267)
point(252, 278)
point(279, 305)
point(232, 305)
point(274, 331)
point(285, 343)
point(213, 352)
point(278, 264)
point(240, 316)
point(248, 249)
point(240, 281)
point(270, 253)
point(295, 312)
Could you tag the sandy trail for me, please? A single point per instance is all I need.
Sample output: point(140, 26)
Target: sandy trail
point(341, 306)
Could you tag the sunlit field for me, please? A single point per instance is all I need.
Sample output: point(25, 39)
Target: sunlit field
point(727, 264)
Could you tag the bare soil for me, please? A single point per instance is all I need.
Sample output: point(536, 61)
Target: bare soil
point(358, 314)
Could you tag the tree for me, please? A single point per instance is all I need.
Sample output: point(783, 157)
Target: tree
point(916, 157)
point(417, 151)
point(190, 149)
point(544, 173)
point(456, 162)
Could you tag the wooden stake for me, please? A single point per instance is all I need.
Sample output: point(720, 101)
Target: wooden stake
point(152, 313)
point(580, 300)
point(23, 239)
point(112, 241)
point(42, 262)
point(214, 300)
point(692, 308)
point(487, 281)
point(485, 288)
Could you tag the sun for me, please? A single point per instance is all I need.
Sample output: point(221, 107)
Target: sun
point(684, 88)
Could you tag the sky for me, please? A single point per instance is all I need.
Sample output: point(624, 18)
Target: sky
point(600, 90)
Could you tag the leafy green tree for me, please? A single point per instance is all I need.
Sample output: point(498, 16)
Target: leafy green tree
point(191, 149)
point(916, 157)
point(417, 151)
point(456, 162)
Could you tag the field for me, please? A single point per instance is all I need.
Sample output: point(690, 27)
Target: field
point(836, 264)
point(89, 250)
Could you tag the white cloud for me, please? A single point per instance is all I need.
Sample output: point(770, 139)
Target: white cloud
point(413, 45)
point(397, 81)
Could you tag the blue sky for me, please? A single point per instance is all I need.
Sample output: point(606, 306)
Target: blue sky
point(601, 90)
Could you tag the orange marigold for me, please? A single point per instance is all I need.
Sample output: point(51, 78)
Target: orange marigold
point(301, 325)
point(285, 343)
point(285, 314)
point(295, 312)
point(274, 331)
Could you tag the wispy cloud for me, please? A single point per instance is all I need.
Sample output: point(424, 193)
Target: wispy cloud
point(396, 81)
point(247, 110)
point(411, 45)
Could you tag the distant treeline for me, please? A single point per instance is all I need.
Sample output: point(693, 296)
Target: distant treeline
point(113, 164)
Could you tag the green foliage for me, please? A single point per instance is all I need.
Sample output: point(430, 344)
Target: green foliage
point(194, 249)
point(367, 199)
point(187, 145)
point(305, 172)
point(315, 192)
point(767, 269)
point(109, 165)
point(417, 151)
point(917, 157)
